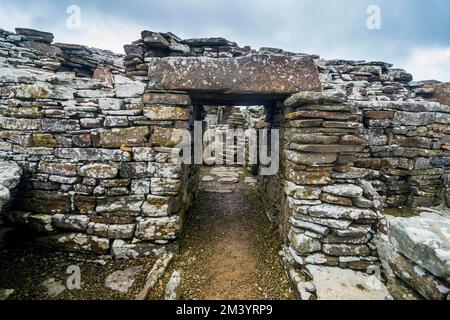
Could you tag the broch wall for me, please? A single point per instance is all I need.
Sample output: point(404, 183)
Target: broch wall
point(93, 132)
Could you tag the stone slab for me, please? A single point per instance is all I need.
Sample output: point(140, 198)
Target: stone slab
point(251, 74)
point(342, 284)
point(425, 241)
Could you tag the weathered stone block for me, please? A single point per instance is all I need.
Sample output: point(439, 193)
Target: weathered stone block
point(134, 170)
point(82, 140)
point(305, 97)
point(311, 159)
point(352, 240)
point(41, 90)
point(154, 39)
point(424, 240)
point(322, 177)
point(141, 186)
point(60, 169)
point(98, 171)
point(332, 199)
point(302, 192)
point(19, 124)
point(417, 278)
point(121, 231)
point(47, 202)
point(326, 148)
point(257, 73)
point(165, 187)
point(110, 104)
point(85, 204)
point(116, 121)
point(165, 228)
point(166, 98)
point(60, 125)
point(302, 138)
point(346, 250)
point(123, 250)
point(157, 206)
point(76, 242)
point(304, 244)
point(168, 137)
point(64, 180)
point(414, 118)
point(322, 115)
point(340, 212)
point(77, 223)
point(144, 154)
point(332, 223)
point(166, 113)
point(344, 190)
point(115, 138)
point(93, 154)
point(165, 170)
point(309, 226)
point(127, 88)
point(43, 140)
point(129, 204)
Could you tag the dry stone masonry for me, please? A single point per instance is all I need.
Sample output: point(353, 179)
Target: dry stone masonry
point(95, 154)
point(93, 132)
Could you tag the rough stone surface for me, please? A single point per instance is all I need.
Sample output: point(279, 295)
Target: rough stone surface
point(54, 287)
point(339, 284)
point(6, 293)
point(419, 279)
point(173, 287)
point(10, 175)
point(122, 280)
point(258, 74)
point(425, 241)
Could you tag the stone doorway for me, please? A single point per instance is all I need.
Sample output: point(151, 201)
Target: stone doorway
point(229, 247)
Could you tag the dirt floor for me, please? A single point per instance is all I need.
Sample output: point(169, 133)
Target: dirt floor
point(229, 249)
point(26, 270)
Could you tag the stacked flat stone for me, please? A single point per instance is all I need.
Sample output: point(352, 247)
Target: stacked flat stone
point(332, 214)
point(408, 136)
point(419, 257)
point(84, 60)
point(97, 160)
point(29, 48)
point(220, 121)
point(155, 44)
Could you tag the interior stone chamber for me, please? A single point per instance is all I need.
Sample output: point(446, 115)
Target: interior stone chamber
point(93, 132)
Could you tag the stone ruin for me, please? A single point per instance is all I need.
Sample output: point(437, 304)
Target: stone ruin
point(93, 132)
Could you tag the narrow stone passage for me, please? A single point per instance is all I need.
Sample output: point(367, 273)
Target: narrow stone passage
point(229, 249)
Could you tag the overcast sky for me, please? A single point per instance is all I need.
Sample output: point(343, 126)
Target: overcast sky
point(414, 34)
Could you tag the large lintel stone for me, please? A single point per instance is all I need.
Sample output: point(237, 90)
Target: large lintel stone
point(251, 74)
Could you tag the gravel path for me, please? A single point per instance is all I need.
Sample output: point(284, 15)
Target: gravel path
point(229, 249)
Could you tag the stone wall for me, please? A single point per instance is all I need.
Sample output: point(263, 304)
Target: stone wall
point(332, 211)
point(96, 156)
point(96, 151)
point(406, 125)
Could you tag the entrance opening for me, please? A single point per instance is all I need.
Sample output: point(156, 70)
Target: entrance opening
point(229, 248)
